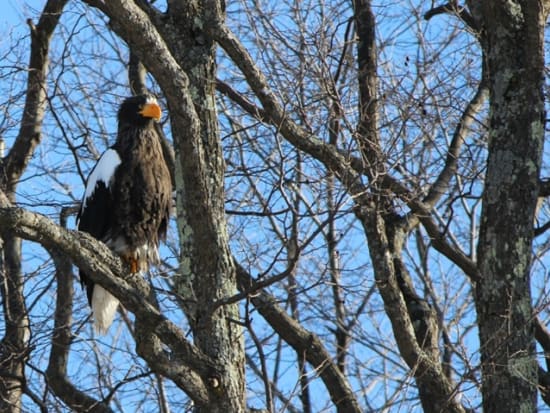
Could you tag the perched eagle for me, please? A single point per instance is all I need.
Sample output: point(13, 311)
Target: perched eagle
point(127, 199)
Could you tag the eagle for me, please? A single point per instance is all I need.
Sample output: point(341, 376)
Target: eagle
point(127, 200)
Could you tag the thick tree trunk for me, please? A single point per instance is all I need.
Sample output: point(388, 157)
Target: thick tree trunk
point(207, 273)
point(514, 34)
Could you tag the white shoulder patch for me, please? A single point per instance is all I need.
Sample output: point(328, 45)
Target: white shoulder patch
point(103, 171)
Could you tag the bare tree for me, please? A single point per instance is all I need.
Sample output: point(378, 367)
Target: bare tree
point(15, 343)
point(360, 216)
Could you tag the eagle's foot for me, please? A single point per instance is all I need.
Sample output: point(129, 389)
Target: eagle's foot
point(134, 265)
point(132, 262)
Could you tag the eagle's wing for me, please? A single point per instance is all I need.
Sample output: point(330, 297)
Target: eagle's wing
point(96, 208)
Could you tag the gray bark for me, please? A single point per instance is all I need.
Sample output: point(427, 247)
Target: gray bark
point(514, 35)
point(182, 362)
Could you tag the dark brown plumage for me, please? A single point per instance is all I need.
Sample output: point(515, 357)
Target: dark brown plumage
point(128, 197)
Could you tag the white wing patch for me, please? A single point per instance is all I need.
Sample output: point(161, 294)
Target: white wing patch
point(103, 171)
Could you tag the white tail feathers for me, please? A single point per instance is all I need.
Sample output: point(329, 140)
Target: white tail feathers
point(104, 306)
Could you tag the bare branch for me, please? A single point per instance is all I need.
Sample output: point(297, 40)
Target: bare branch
point(106, 269)
point(454, 9)
point(303, 342)
point(243, 102)
point(275, 114)
point(35, 101)
point(62, 338)
point(441, 184)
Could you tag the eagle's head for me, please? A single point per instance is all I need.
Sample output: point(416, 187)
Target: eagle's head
point(139, 110)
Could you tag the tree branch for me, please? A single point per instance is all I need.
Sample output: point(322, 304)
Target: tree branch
point(348, 174)
point(253, 110)
point(441, 184)
point(56, 372)
point(453, 8)
point(107, 270)
point(276, 115)
point(35, 100)
point(303, 342)
point(423, 213)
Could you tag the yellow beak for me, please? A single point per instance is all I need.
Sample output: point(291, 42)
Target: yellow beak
point(151, 110)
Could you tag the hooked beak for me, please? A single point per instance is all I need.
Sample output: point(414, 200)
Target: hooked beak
point(151, 110)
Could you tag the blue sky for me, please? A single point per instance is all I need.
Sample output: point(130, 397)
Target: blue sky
point(14, 11)
point(255, 231)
